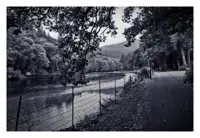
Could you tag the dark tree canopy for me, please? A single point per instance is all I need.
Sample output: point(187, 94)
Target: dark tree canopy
point(165, 32)
point(158, 20)
point(80, 29)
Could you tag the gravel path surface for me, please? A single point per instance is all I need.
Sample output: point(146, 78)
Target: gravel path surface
point(172, 103)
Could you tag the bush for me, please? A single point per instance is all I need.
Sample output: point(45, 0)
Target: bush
point(130, 79)
point(130, 83)
point(144, 72)
point(42, 72)
point(14, 74)
point(182, 68)
point(188, 78)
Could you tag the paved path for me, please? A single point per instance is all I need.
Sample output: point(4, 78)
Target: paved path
point(171, 103)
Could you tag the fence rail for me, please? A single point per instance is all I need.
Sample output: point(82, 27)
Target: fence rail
point(49, 117)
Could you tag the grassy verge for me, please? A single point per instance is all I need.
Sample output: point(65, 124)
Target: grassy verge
point(131, 102)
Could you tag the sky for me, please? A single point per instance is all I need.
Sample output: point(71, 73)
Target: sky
point(118, 22)
point(121, 26)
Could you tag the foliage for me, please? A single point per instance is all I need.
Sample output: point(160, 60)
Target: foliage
point(103, 64)
point(166, 35)
point(25, 54)
point(14, 74)
point(19, 50)
point(188, 78)
point(182, 68)
point(144, 72)
point(126, 61)
point(153, 21)
point(80, 29)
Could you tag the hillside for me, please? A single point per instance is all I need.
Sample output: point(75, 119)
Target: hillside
point(115, 50)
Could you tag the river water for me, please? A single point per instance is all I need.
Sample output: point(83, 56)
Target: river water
point(51, 109)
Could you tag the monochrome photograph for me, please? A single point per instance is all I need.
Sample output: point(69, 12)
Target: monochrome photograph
point(99, 68)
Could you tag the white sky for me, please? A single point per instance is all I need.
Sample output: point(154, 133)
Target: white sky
point(121, 26)
point(118, 22)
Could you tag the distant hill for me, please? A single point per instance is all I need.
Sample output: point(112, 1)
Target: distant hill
point(115, 50)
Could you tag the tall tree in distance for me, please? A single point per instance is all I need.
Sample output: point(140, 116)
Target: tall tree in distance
point(122, 59)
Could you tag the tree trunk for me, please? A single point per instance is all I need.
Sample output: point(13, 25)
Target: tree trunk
point(188, 56)
point(183, 57)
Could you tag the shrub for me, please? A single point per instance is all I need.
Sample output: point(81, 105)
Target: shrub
point(42, 72)
point(188, 78)
point(130, 79)
point(144, 72)
point(130, 83)
point(182, 68)
point(14, 74)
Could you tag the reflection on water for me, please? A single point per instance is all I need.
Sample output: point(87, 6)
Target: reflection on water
point(53, 110)
point(53, 113)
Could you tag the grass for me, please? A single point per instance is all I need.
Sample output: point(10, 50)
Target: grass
point(91, 120)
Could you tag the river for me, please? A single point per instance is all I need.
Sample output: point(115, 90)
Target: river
point(51, 109)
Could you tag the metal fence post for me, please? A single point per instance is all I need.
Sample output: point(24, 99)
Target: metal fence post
point(18, 111)
point(115, 89)
point(72, 107)
point(150, 69)
point(124, 81)
point(130, 79)
point(124, 85)
point(100, 97)
point(138, 78)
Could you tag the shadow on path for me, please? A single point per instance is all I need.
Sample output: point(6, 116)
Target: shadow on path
point(171, 104)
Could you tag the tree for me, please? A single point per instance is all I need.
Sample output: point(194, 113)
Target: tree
point(101, 63)
point(50, 49)
point(183, 42)
point(26, 55)
point(118, 65)
point(81, 29)
point(156, 25)
point(122, 59)
point(19, 50)
point(38, 59)
point(55, 63)
point(126, 61)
